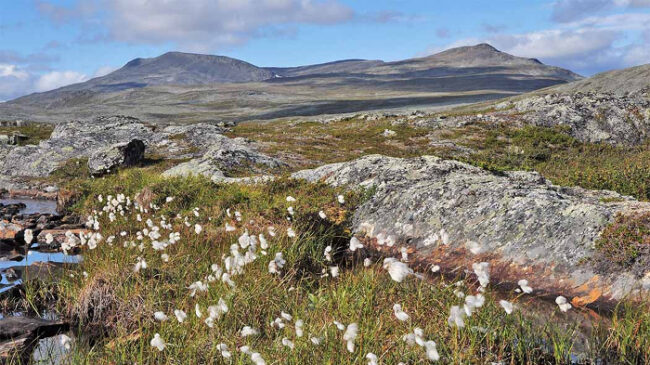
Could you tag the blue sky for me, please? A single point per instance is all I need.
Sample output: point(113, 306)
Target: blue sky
point(47, 44)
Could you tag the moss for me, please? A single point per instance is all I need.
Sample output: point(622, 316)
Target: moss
point(626, 239)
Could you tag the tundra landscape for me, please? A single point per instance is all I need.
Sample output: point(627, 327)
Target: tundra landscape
point(470, 205)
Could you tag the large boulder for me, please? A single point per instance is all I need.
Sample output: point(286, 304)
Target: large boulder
point(454, 214)
point(224, 155)
point(117, 155)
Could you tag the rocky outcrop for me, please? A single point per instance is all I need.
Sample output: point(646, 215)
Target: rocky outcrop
point(591, 117)
point(105, 142)
point(454, 214)
point(225, 155)
point(117, 155)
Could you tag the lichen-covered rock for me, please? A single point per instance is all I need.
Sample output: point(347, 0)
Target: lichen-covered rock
point(225, 154)
point(591, 117)
point(455, 214)
point(117, 155)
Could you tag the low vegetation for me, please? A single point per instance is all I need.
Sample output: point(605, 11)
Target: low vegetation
point(34, 133)
point(126, 296)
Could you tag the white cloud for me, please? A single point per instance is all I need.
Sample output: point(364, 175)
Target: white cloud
point(586, 46)
point(200, 25)
point(57, 79)
point(13, 71)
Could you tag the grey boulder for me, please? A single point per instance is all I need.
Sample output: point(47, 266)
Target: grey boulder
point(453, 214)
point(117, 155)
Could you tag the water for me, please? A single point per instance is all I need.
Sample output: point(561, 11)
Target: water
point(33, 205)
point(32, 258)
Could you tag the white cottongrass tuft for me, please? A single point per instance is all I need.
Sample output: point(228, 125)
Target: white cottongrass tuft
point(197, 228)
point(322, 215)
point(507, 306)
point(350, 335)
point(355, 244)
point(158, 342)
point(432, 351)
point(523, 284)
point(160, 316)
point(563, 303)
point(248, 331)
point(482, 271)
point(180, 315)
point(340, 199)
point(372, 359)
point(456, 317)
point(399, 313)
point(398, 271)
point(288, 343)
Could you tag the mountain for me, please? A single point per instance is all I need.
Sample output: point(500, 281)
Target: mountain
point(627, 80)
point(184, 87)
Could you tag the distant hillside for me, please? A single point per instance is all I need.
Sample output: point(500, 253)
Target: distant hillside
point(184, 87)
point(619, 81)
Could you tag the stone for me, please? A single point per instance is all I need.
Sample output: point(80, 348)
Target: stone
point(117, 155)
point(9, 231)
point(19, 335)
point(519, 222)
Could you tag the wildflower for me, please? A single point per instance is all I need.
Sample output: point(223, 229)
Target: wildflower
point(339, 325)
point(435, 268)
point(263, 243)
point(399, 313)
point(65, 341)
point(372, 358)
point(328, 253)
point(291, 233)
point(482, 271)
point(257, 359)
point(158, 342)
point(405, 255)
point(291, 199)
point(29, 236)
point(298, 326)
point(141, 264)
point(169, 199)
point(398, 271)
point(456, 317)
point(197, 286)
point(164, 257)
point(248, 331)
point(49, 238)
point(334, 271)
point(286, 316)
point(224, 350)
point(355, 244)
point(322, 215)
point(290, 211)
point(286, 342)
point(562, 303)
point(198, 228)
point(315, 340)
point(180, 315)
point(367, 262)
point(160, 316)
point(277, 263)
point(350, 335)
point(523, 283)
point(271, 231)
point(229, 228)
point(472, 302)
point(341, 199)
point(507, 306)
point(432, 351)
point(197, 310)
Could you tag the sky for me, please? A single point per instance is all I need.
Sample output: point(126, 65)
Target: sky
point(48, 44)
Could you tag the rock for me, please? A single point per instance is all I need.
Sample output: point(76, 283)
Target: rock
point(592, 116)
point(520, 223)
point(9, 231)
point(225, 154)
point(65, 199)
point(18, 335)
point(117, 155)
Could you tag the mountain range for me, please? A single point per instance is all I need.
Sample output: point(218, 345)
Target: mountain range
point(185, 87)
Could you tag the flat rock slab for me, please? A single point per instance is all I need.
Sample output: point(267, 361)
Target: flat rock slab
point(18, 335)
point(454, 214)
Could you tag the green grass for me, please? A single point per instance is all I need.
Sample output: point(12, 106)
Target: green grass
point(113, 306)
point(34, 132)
